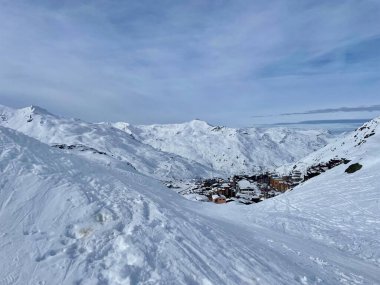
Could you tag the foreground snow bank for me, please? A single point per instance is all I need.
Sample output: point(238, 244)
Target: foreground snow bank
point(67, 220)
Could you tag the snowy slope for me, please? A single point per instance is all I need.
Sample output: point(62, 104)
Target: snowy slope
point(361, 142)
point(117, 145)
point(230, 150)
point(65, 219)
point(177, 151)
point(336, 217)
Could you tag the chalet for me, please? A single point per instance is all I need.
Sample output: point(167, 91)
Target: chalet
point(218, 199)
point(296, 177)
point(225, 185)
point(268, 192)
point(229, 189)
point(263, 178)
point(221, 191)
point(279, 183)
point(244, 186)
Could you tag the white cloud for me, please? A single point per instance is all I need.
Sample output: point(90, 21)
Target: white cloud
point(162, 62)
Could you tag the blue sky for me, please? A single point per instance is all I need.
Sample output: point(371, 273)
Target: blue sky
point(235, 63)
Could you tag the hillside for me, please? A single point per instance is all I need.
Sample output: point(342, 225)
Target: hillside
point(336, 213)
point(229, 150)
point(355, 145)
point(113, 145)
point(178, 151)
point(65, 219)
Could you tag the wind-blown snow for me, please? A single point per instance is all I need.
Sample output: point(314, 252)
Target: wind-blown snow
point(231, 151)
point(65, 219)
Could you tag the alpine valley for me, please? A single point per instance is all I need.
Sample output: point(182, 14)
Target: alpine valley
point(86, 203)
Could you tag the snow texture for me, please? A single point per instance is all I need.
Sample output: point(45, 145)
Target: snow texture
point(361, 142)
point(66, 219)
point(228, 150)
point(117, 145)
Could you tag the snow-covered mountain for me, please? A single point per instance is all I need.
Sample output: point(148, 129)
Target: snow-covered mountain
point(108, 143)
point(232, 151)
point(361, 142)
point(65, 219)
point(178, 151)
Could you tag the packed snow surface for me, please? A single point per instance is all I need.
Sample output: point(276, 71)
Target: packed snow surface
point(231, 151)
point(66, 219)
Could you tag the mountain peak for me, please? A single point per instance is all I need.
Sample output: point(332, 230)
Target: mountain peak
point(199, 123)
point(37, 110)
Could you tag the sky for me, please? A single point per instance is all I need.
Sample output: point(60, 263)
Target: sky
point(234, 63)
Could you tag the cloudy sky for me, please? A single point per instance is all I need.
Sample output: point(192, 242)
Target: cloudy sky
point(234, 63)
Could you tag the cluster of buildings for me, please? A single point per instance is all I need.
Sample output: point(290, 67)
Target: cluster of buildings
point(285, 182)
point(250, 189)
point(246, 189)
point(216, 189)
point(315, 170)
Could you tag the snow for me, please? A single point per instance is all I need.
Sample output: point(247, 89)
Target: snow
point(70, 219)
point(354, 145)
point(180, 151)
point(196, 197)
point(228, 150)
point(245, 184)
point(119, 146)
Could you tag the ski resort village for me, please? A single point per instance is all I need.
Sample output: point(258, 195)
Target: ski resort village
point(248, 189)
point(198, 142)
point(85, 203)
point(238, 188)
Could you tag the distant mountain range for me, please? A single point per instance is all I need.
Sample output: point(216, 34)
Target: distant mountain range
point(230, 150)
point(90, 139)
point(176, 151)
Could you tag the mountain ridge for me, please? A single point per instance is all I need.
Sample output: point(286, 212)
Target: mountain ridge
point(54, 130)
point(351, 147)
point(168, 151)
point(230, 150)
point(71, 220)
